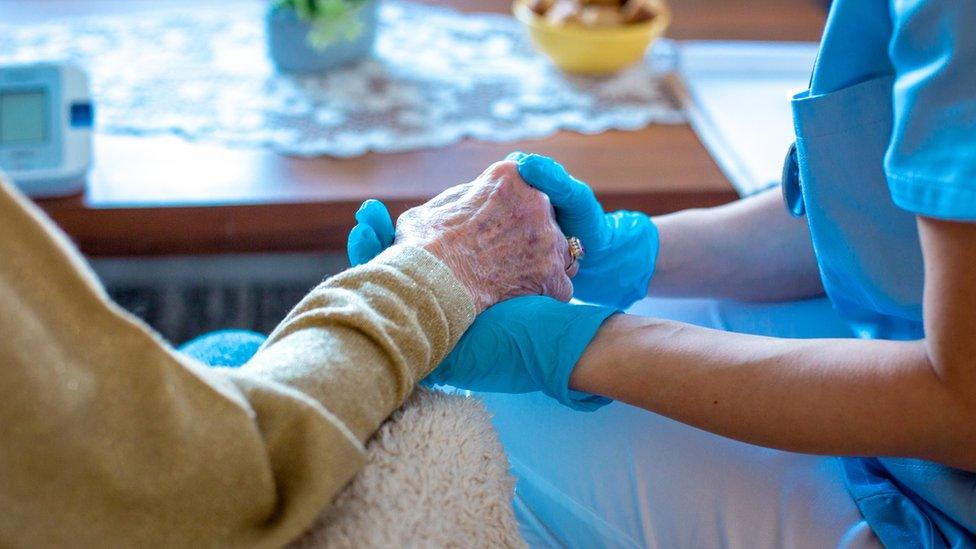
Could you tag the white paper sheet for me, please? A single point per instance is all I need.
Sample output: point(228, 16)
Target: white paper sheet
point(737, 97)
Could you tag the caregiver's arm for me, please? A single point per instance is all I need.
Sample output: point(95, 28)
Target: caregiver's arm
point(837, 397)
point(750, 249)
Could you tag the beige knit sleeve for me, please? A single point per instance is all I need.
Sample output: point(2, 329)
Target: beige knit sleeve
point(360, 341)
point(110, 437)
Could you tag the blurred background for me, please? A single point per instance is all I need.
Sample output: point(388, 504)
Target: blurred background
point(231, 141)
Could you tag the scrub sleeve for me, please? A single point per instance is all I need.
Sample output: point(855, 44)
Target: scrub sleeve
point(931, 170)
point(881, 140)
point(931, 162)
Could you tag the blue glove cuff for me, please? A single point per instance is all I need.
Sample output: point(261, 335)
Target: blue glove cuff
point(576, 336)
point(648, 240)
point(525, 344)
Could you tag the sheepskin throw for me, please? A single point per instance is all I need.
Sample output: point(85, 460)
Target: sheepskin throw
point(436, 477)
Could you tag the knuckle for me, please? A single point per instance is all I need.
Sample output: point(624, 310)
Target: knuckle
point(505, 170)
point(406, 217)
point(538, 205)
point(541, 201)
point(542, 198)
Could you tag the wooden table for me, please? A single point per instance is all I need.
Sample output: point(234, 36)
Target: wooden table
point(161, 195)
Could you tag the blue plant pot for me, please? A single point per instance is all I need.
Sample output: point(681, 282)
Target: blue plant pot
point(290, 51)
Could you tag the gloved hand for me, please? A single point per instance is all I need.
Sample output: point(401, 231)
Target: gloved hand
point(522, 345)
point(621, 247)
point(372, 234)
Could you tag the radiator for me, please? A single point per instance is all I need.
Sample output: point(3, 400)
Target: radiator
point(183, 297)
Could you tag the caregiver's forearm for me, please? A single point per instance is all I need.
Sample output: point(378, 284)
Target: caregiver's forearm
point(836, 397)
point(750, 249)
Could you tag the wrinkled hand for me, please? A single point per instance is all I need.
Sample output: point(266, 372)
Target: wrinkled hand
point(497, 234)
point(522, 345)
point(621, 247)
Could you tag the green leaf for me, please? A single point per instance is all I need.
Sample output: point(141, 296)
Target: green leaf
point(335, 20)
point(330, 20)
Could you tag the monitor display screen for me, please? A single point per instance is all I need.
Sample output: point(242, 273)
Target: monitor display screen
point(23, 117)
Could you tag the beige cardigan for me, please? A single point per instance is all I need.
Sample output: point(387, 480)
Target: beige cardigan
point(109, 437)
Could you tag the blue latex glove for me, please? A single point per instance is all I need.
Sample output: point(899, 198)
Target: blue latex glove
point(372, 234)
point(522, 345)
point(621, 247)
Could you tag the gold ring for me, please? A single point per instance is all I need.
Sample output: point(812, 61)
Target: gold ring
point(576, 250)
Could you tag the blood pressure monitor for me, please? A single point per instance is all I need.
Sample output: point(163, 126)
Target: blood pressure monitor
point(46, 117)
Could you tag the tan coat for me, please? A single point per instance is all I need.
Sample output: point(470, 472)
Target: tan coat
point(109, 437)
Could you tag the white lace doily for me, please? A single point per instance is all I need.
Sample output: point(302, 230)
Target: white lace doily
point(437, 76)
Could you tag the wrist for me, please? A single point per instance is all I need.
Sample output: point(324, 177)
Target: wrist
point(576, 325)
point(644, 242)
point(681, 253)
point(597, 370)
point(654, 245)
point(481, 298)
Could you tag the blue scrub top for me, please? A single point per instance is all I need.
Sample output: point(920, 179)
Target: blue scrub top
point(887, 131)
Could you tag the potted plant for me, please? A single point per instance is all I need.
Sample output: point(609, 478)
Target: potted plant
point(315, 35)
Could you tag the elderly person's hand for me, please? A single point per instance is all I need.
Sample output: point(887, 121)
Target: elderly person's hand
point(525, 344)
point(496, 233)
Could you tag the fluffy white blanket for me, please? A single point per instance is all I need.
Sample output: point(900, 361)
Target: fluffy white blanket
point(436, 477)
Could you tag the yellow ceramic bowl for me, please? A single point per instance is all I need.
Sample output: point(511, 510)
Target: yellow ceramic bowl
point(579, 49)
